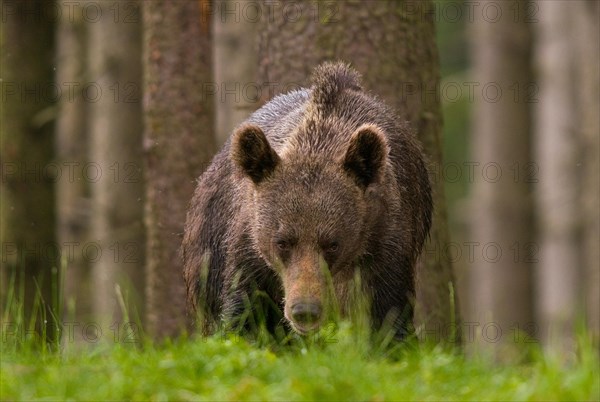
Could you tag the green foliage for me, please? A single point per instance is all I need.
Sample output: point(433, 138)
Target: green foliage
point(341, 362)
point(452, 24)
point(330, 365)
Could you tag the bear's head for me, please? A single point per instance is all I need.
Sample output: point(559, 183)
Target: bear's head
point(313, 214)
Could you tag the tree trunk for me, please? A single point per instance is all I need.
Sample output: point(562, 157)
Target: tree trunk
point(72, 189)
point(501, 283)
point(116, 245)
point(393, 45)
point(178, 144)
point(557, 152)
point(587, 14)
point(27, 213)
point(567, 154)
point(235, 64)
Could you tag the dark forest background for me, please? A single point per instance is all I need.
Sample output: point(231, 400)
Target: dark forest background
point(112, 109)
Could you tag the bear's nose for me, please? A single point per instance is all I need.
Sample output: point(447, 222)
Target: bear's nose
point(306, 313)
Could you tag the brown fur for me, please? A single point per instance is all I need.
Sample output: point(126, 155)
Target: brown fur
point(328, 173)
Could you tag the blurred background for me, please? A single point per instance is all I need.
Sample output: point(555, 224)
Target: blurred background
point(112, 109)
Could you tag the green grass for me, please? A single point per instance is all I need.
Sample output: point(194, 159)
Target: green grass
point(229, 368)
point(336, 364)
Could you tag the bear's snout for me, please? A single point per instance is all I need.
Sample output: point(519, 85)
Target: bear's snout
point(306, 313)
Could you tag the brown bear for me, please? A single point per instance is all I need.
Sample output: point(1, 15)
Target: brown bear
point(319, 187)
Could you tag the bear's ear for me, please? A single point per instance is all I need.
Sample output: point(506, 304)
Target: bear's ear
point(251, 151)
point(366, 155)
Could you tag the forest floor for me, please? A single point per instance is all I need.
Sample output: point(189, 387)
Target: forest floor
point(334, 368)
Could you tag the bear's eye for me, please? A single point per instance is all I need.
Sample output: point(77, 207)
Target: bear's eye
point(283, 245)
point(331, 247)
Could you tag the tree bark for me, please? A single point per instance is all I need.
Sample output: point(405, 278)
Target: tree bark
point(27, 212)
point(587, 14)
point(235, 64)
point(116, 245)
point(568, 152)
point(501, 226)
point(393, 45)
point(178, 144)
point(558, 273)
point(72, 188)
